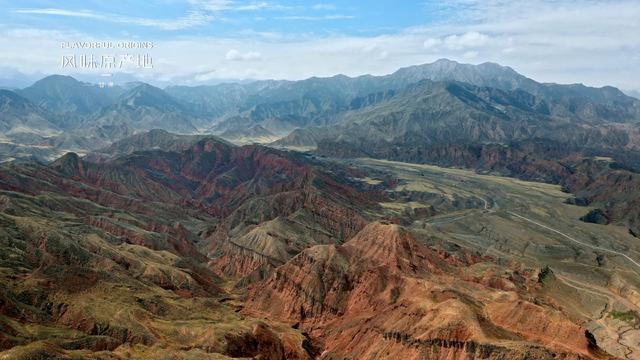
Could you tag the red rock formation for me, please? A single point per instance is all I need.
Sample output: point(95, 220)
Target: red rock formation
point(383, 295)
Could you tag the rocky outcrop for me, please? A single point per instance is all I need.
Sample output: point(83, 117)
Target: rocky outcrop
point(154, 236)
point(263, 343)
point(596, 216)
point(453, 349)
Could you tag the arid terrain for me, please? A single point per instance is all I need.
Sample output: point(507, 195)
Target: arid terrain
point(444, 211)
point(219, 251)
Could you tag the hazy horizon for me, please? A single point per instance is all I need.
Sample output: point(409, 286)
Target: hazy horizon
point(123, 79)
point(208, 41)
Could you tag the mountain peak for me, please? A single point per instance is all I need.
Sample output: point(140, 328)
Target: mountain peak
point(69, 164)
point(147, 95)
point(491, 64)
point(57, 80)
point(443, 61)
point(391, 244)
point(381, 233)
point(144, 88)
point(63, 94)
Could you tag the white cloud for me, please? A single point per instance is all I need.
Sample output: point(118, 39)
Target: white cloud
point(235, 55)
point(213, 5)
point(61, 12)
point(432, 43)
point(253, 6)
point(371, 47)
point(471, 39)
point(202, 13)
point(383, 55)
point(232, 5)
point(191, 19)
point(376, 51)
point(317, 18)
point(339, 16)
point(470, 55)
point(323, 6)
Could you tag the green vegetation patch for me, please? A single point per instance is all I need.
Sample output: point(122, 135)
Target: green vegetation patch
point(626, 316)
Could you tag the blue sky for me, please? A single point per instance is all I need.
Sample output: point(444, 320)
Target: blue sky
point(594, 42)
point(163, 19)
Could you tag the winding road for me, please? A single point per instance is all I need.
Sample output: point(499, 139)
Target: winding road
point(488, 210)
point(447, 220)
point(635, 263)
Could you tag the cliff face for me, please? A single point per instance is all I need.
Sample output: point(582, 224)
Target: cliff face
point(383, 294)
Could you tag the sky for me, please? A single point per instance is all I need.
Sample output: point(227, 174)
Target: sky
point(595, 42)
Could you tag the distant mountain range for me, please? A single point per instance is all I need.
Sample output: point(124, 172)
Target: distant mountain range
point(441, 101)
point(439, 112)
